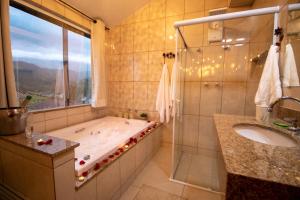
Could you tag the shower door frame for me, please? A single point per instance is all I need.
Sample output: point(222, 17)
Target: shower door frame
point(228, 16)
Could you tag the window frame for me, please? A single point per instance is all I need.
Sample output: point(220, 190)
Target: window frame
point(65, 28)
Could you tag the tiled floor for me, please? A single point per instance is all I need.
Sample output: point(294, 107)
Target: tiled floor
point(198, 169)
point(153, 182)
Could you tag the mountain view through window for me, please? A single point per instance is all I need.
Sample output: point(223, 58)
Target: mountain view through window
point(38, 56)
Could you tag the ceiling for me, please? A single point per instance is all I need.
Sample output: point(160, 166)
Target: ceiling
point(112, 12)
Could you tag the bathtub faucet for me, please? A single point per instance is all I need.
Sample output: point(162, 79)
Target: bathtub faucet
point(79, 130)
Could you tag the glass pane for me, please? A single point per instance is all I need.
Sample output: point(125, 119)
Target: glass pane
point(37, 48)
point(79, 55)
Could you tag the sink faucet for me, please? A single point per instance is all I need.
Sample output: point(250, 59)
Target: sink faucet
point(292, 121)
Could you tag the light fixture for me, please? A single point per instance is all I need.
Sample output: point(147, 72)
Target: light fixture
point(239, 45)
point(229, 40)
point(240, 39)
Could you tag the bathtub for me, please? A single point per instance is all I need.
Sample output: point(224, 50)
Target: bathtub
point(102, 141)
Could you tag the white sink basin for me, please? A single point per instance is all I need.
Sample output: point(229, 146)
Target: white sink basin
point(264, 135)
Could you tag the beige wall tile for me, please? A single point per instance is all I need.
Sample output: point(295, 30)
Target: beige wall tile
point(127, 165)
point(20, 173)
point(213, 60)
point(174, 7)
point(191, 98)
point(157, 9)
point(115, 33)
point(141, 36)
point(149, 146)
point(142, 14)
point(152, 93)
point(190, 130)
point(194, 6)
point(193, 64)
point(114, 68)
point(126, 95)
point(65, 180)
point(236, 63)
point(75, 119)
point(170, 32)
point(55, 114)
point(209, 4)
point(155, 65)
point(211, 93)
point(114, 94)
point(109, 181)
point(233, 99)
point(140, 95)
point(127, 38)
point(194, 34)
point(156, 35)
point(141, 66)
point(57, 123)
point(250, 96)
point(255, 69)
point(77, 110)
point(87, 191)
point(126, 68)
point(36, 117)
point(39, 127)
point(141, 152)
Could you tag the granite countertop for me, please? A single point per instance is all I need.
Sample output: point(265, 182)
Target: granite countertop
point(57, 147)
point(248, 158)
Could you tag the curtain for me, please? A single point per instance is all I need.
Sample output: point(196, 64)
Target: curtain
point(8, 92)
point(99, 91)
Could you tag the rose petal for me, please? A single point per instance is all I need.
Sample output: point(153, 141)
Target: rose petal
point(82, 162)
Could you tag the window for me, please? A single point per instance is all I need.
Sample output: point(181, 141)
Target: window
point(52, 62)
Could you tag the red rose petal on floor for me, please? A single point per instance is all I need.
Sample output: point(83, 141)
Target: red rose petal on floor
point(128, 143)
point(97, 166)
point(121, 150)
point(85, 174)
point(135, 140)
point(131, 140)
point(117, 153)
point(82, 162)
point(105, 160)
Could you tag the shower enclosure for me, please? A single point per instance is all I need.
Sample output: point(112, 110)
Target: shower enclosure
point(219, 60)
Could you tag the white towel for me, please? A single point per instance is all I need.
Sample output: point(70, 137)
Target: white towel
point(269, 89)
point(163, 96)
point(173, 88)
point(290, 73)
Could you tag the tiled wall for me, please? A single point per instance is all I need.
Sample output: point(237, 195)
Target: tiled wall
point(226, 86)
point(51, 120)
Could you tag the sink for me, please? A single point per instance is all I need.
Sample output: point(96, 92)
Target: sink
point(264, 135)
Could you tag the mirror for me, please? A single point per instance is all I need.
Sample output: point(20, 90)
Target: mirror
point(291, 67)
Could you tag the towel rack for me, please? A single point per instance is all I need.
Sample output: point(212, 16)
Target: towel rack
point(169, 55)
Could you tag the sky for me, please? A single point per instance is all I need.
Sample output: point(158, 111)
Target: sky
point(40, 42)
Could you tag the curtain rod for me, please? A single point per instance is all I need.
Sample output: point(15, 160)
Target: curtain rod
point(85, 15)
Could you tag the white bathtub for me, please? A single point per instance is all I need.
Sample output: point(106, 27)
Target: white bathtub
point(100, 138)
